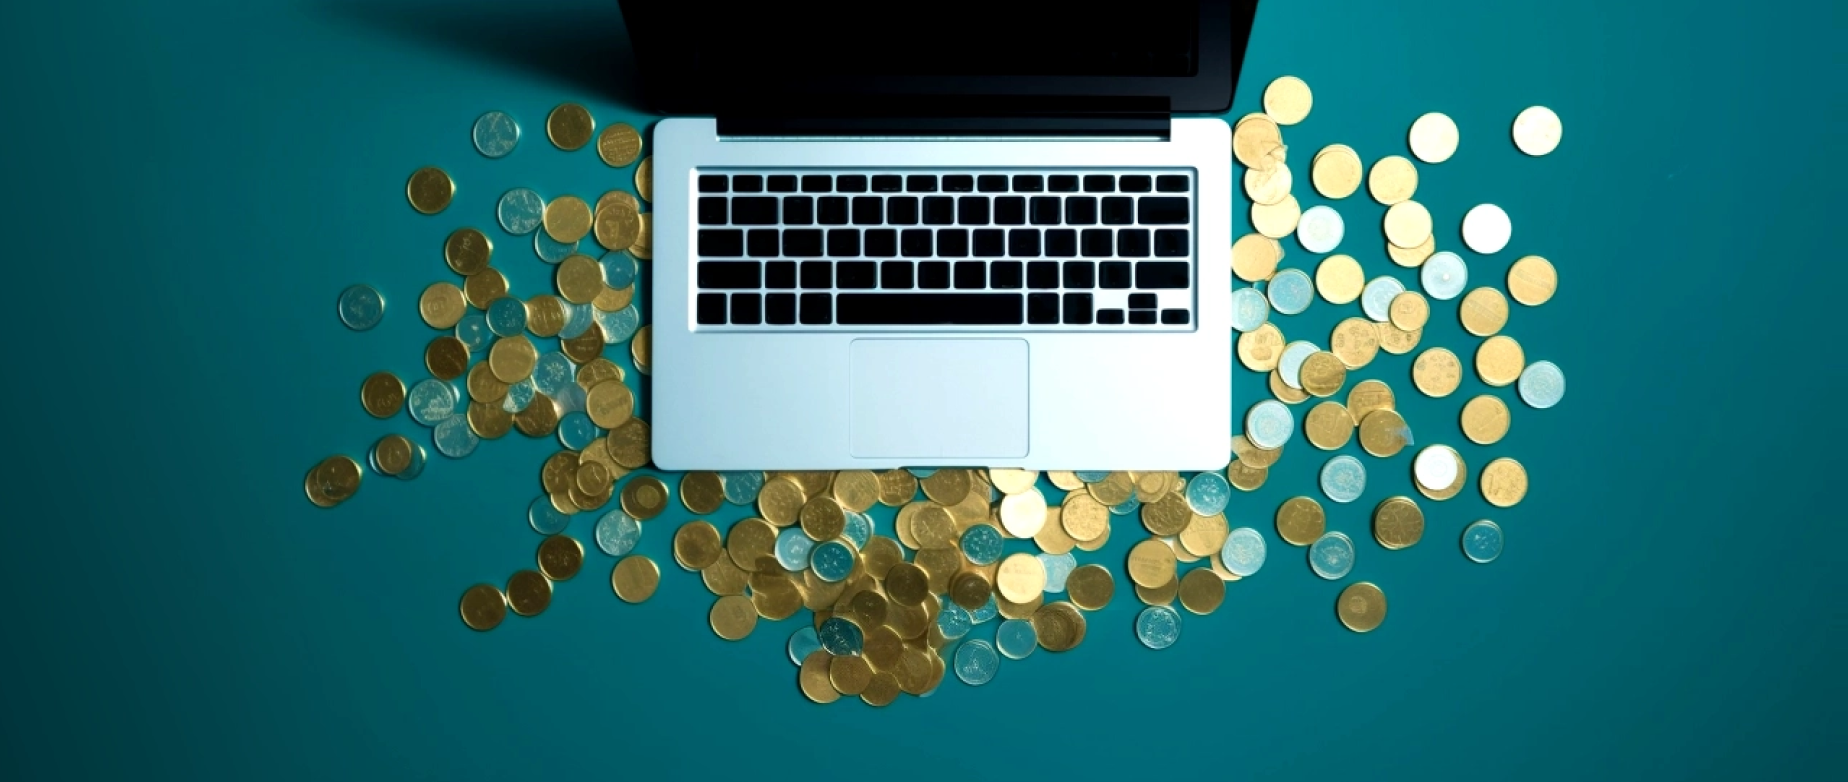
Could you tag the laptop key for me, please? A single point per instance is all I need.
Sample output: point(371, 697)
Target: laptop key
point(780, 274)
point(991, 183)
point(712, 183)
point(1171, 183)
point(817, 274)
point(1109, 317)
point(817, 309)
point(781, 183)
point(1062, 183)
point(1078, 309)
point(921, 183)
point(1061, 242)
point(1011, 210)
point(868, 210)
point(1045, 210)
point(754, 210)
point(1023, 242)
point(832, 210)
point(934, 275)
point(881, 243)
point(958, 183)
point(1133, 183)
point(855, 274)
point(1099, 183)
point(1119, 210)
point(1081, 210)
point(940, 210)
point(761, 243)
point(1142, 317)
point(745, 309)
point(850, 183)
point(817, 183)
point(929, 309)
point(952, 243)
point(1043, 274)
point(1133, 243)
point(990, 242)
point(1158, 275)
point(1079, 274)
point(1028, 183)
point(1004, 274)
point(972, 210)
point(747, 183)
point(902, 211)
point(914, 243)
point(887, 183)
point(720, 242)
point(1096, 243)
point(780, 309)
point(1142, 301)
point(1113, 275)
point(895, 275)
point(1162, 210)
point(798, 210)
point(1042, 308)
point(843, 242)
point(971, 274)
point(802, 242)
point(1171, 243)
point(1174, 317)
point(712, 211)
point(709, 309)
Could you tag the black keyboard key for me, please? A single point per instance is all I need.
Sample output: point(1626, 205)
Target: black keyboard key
point(1171, 183)
point(1142, 301)
point(914, 243)
point(1061, 242)
point(1043, 274)
point(817, 274)
point(817, 183)
point(780, 309)
point(971, 274)
point(712, 183)
point(902, 211)
point(930, 309)
point(991, 183)
point(1023, 242)
point(1133, 243)
point(1113, 275)
point(831, 210)
point(1010, 210)
point(1004, 274)
point(1081, 210)
point(720, 242)
point(1077, 309)
point(972, 210)
point(1109, 317)
point(747, 183)
point(817, 309)
point(754, 210)
point(856, 274)
point(712, 211)
point(895, 275)
point(798, 210)
point(1062, 183)
point(1174, 317)
point(781, 183)
point(921, 183)
point(934, 275)
point(709, 309)
point(1042, 308)
point(1119, 210)
point(868, 210)
point(1099, 183)
point(802, 242)
point(958, 183)
point(1142, 317)
point(1028, 183)
point(1133, 183)
point(780, 274)
point(887, 183)
point(1156, 275)
point(1079, 275)
point(989, 241)
point(952, 243)
point(1162, 210)
point(850, 183)
point(1171, 243)
point(1045, 210)
point(881, 243)
point(745, 309)
point(844, 242)
point(761, 243)
point(940, 210)
point(1096, 243)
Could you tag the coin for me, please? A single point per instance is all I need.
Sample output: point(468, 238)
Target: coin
point(495, 134)
point(560, 557)
point(1393, 179)
point(1276, 220)
point(1245, 477)
point(1331, 556)
point(644, 497)
point(1268, 185)
point(431, 401)
point(483, 607)
point(1542, 385)
point(1260, 348)
point(467, 251)
point(1485, 420)
point(1021, 577)
point(813, 677)
point(528, 593)
point(361, 307)
point(519, 211)
point(1411, 257)
point(1537, 130)
point(610, 404)
point(1158, 627)
point(732, 617)
point(1499, 361)
point(1328, 426)
point(1503, 482)
point(473, 330)
point(507, 316)
point(1300, 520)
point(1015, 639)
point(483, 287)
point(1408, 224)
point(644, 186)
point(392, 454)
point(1343, 478)
point(977, 662)
point(1256, 142)
point(1338, 278)
point(1408, 311)
point(1208, 493)
point(1319, 230)
point(1398, 523)
point(382, 394)
point(429, 190)
point(1482, 541)
point(1433, 138)
point(1151, 563)
point(1361, 607)
point(569, 126)
point(1437, 372)
point(1255, 257)
point(1287, 100)
point(1290, 365)
point(548, 249)
point(1291, 292)
point(1202, 591)
point(618, 221)
point(1322, 374)
point(1435, 468)
point(1249, 309)
point(1243, 552)
point(1368, 396)
point(1383, 433)
point(513, 359)
point(567, 219)
point(1283, 392)
point(1336, 171)
point(1532, 280)
point(446, 358)
point(635, 578)
point(619, 144)
point(1486, 229)
point(1355, 341)
point(441, 305)
point(1483, 312)
point(1456, 485)
point(1090, 586)
point(1376, 298)
point(333, 481)
point(1268, 424)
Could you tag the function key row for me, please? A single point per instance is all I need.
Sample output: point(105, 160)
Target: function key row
point(943, 210)
point(945, 183)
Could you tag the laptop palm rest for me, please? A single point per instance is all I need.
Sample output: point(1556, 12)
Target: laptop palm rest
point(939, 401)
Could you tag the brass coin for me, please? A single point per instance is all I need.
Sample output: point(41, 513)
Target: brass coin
point(1396, 341)
point(1485, 420)
point(483, 287)
point(1013, 610)
point(1484, 311)
point(1323, 374)
point(1300, 520)
point(813, 678)
point(897, 487)
point(1499, 361)
point(567, 219)
point(579, 279)
point(1287, 100)
point(780, 501)
point(1392, 180)
point(1355, 341)
point(1437, 372)
point(585, 347)
point(1283, 392)
point(1023, 514)
point(1361, 607)
point(1167, 516)
point(1367, 396)
point(908, 584)
point(1328, 426)
point(1504, 482)
point(1398, 523)
point(749, 542)
point(724, 577)
point(446, 358)
point(1412, 257)
point(635, 578)
point(382, 394)
point(483, 607)
point(483, 386)
point(644, 178)
point(560, 557)
point(619, 145)
point(1255, 257)
point(592, 477)
point(1151, 563)
point(393, 453)
point(1268, 185)
point(1253, 456)
point(442, 305)
point(558, 472)
point(1052, 537)
point(611, 404)
point(1336, 171)
point(643, 249)
point(1259, 349)
point(629, 444)
point(1090, 586)
point(1159, 596)
point(1532, 280)
point(528, 593)
point(1257, 143)
point(618, 220)
point(1205, 535)
point(1202, 591)
point(702, 492)
point(641, 348)
point(1339, 280)
point(429, 190)
point(1083, 517)
point(489, 420)
point(1409, 310)
point(1408, 224)
point(467, 251)
point(970, 590)
point(697, 545)
point(569, 126)
point(644, 497)
point(1009, 481)
point(614, 299)
point(822, 518)
point(512, 359)
point(1245, 477)
point(1276, 220)
point(947, 487)
point(732, 617)
point(596, 371)
point(882, 690)
point(539, 419)
point(1383, 433)
point(1060, 626)
point(1021, 577)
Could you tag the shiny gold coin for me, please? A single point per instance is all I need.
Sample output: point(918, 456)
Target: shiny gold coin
point(856, 490)
point(1383, 433)
point(483, 607)
point(567, 219)
point(1532, 280)
point(643, 249)
point(1485, 420)
point(1065, 480)
point(1060, 626)
point(1455, 487)
point(1205, 535)
point(1368, 396)
point(1287, 100)
point(1433, 138)
point(1090, 586)
point(849, 674)
point(780, 501)
point(1159, 596)
point(489, 420)
point(1336, 171)
point(1283, 392)
point(970, 590)
point(774, 594)
point(1021, 577)
point(883, 649)
point(1409, 311)
point(882, 690)
point(446, 358)
point(611, 404)
point(539, 419)
point(559, 471)
point(585, 347)
point(483, 287)
point(1255, 257)
point(1412, 257)
point(569, 126)
point(579, 279)
point(822, 518)
point(1484, 311)
point(1276, 220)
point(908, 584)
point(813, 678)
point(618, 221)
point(1084, 517)
point(732, 617)
point(560, 557)
point(1328, 426)
point(467, 250)
point(442, 305)
point(1202, 591)
point(702, 492)
point(724, 577)
point(1253, 456)
point(592, 477)
point(644, 497)
point(614, 299)
point(596, 371)
point(697, 545)
point(1245, 477)
point(1437, 372)
point(1151, 563)
point(393, 453)
point(644, 179)
point(1256, 142)
point(512, 359)
point(1408, 224)
point(635, 578)
point(1093, 544)
point(1503, 482)
point(429, 190)
point(1392, 180)
point(1259, 349)
point(1268, 185)
point(619, 144)
point(897, 487)
point(545, 315)
point(1323, 374)
point(750, 541)
point(1355, 341)
point(528, 593)
point(1499, 361)
point(1398, 523)
point(948, 486)
point(1300, 520)
point(1397, 341)
point(641, 348)
point(1361, 607)
point(1009, 481)
point(382, 394)
point(1167, 516)
point(1339, 279)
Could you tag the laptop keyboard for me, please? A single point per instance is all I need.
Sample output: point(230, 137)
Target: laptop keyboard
point(852, 249)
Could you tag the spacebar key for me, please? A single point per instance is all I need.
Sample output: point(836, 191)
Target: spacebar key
point(927, 309)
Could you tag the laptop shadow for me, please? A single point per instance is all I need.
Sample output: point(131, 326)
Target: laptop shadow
point(581, 45)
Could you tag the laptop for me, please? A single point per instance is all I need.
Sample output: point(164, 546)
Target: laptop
point(945, 234)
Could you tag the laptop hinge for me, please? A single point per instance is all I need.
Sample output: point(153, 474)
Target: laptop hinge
point(986, 116)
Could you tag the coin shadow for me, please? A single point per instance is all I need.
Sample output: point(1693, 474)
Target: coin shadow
point(582, 45)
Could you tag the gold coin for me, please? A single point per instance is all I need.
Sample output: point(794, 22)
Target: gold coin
point(1433, 138)
point(1499, 361)
point(382, 394)
point(442, 305)
point(702, 492)
point(1437, 372)
point(1485, 420)
point(483, 287)
point(1383, 433)
point(1323, 374)
point(619, 144)
point(1259, 349)
point(579, 279)
point(1245, 477)
point(393, 453)
point(1065, 480)
point(1115, 489)
point(1287, 100)
point(1484, 311)
point(1532, 280)
point(1408, 311)
point(850, 674)
point(1255, 257)
point(1020, 577)
point(1167, 516)
point(584, 347)
point(1361, 607)
point(1283, 392)
point(1009, 481)
point(483, 607)
point(446, 358)
point(1090, 586)
point(641, 348)
point(1412, 257)
point(618, 221)
point(634, 578)
point(569, 126)
point(732, 617)
point(1256, 142)
point(1339, 279)
point(1537, 130)
point(539, 419)
point(592, 477)
point(1355, 341)
point(512, 359)
point(644, 179)
point(1202, 591)
point(644, 497)
point(908, 584)
point(856, 490)
point(489, 420)
point(528, 593)
point(1393, 179)
point(559, 471)
point(1408, 224)
point(1455, 487)
point(883, 649)
point(697, 545)
point(1052, 537)
point(897, 487)
point(1060, 626)
point(467, 251)
point(567, 219)
point(780, 501)
point(1503, 482)
point(1159, 596)
point(560, 557)
point(813, 678)
point(1253, 456)
point(724, 577)
point(597, 370)
point(1328, 426)
point(1336, 171)
point(643, 249)
point(1204, 535)
point(610, 404)
point(1268, 185)
point(545, 315)
point(1151, 563)
point(970, 590)
point(1300, 520)
point(1397, 341)
point(429, 190)
point(1368, 396)
point(947, 487)
point(1276, 220)
point(749, 541)
point(822, 518)
point(1023, 514)
point(882, 690)
point(614, 299)
point(1398, 523)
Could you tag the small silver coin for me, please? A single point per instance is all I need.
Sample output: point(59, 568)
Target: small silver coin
point(832, 561)
point(551, 251)
point(859, 528)
point(496, 134)
point(419, 457)
point(1016, 639)
point(454, 439)
point(520, 211)
point(1444, 275)
point(618, 326)
point(431, 401)
point(1344, 478)
point(1320, 229)
point(618, 269)
point(1542, 385)
point(923, 472)
point(1126, 507)
point(1088, 476)
point(741, 487)
point(576, 431)
point(578, 319)
point(1268, 425)
point(1482, 541)
point(519, 396)
point(545, 519)
point(982, 545)
point(570, 399)
point(1208, 493)
point(1158, 627)
point(1376, 298)
point(473, 330)
point(1291, 291)
point(617, 533)
point(1332, 556)
point(553, 371)
point(793, 549)
point(1058, 567)
point(977, 662)
point(840, 637)
point(802, 643)
point(507, 316)
point(1290, 364)
point(361, 307)
point(1243, 552)
point(1486, 229)
point(986, 612)
point(953, 620)
point(1249, 309)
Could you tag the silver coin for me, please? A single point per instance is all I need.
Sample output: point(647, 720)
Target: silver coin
point(454, 439)
point(1332, 556)
point(977, 662)
point(1444, 275)
point(519, 396)
point(1376, 298)
point(1268, 424)
point(507, 316)
point(1291, 291)
point(1091, 476)
point(922, 472)
point(1542, 385)
point(552, 372)
point(617, 533)
point(618, 269)
point(576, 431)
point(552, 251)
point(1435, 468)
point(859, 528)
point(418, 457)
point(496, 134)
point(545, 519)
point(520, 211)
point(570, 399)
point(953, 620)
point(361, 307)
point(1208, 493)
point(840, 637)
point(578, 319)
point(1243, 552)
point(473, 330)
point(986, 612)
point(1058, 568)
point(1320, 229)
point(741, 487)
point(1482, 541)
point(802, 643)
point(982, 545)
point(1126, 507)
point(1158, 627)
point(1486, 229)
point(1344, 478)
point(1249, 309)
point(1290, 364)
point(793, 549)
point(1016, 639)
point(832, 561)
point(620, 325)
point(431, 401)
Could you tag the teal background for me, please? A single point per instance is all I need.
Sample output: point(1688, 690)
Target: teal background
point(190, 184)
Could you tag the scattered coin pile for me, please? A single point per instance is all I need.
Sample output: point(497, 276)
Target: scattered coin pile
point(894, 613)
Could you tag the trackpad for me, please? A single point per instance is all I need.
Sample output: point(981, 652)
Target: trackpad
point(938, 399)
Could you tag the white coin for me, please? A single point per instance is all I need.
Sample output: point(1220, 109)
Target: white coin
point(1268, 424)
point(1542, 384)
point(1320, 229)
point(1444, 275)
point(1434, 138)
point(1290, 364)
point(1486, 229)
point(1435, 468)
point(1249, 309)
point(1376, 298)
point(1537, 130)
